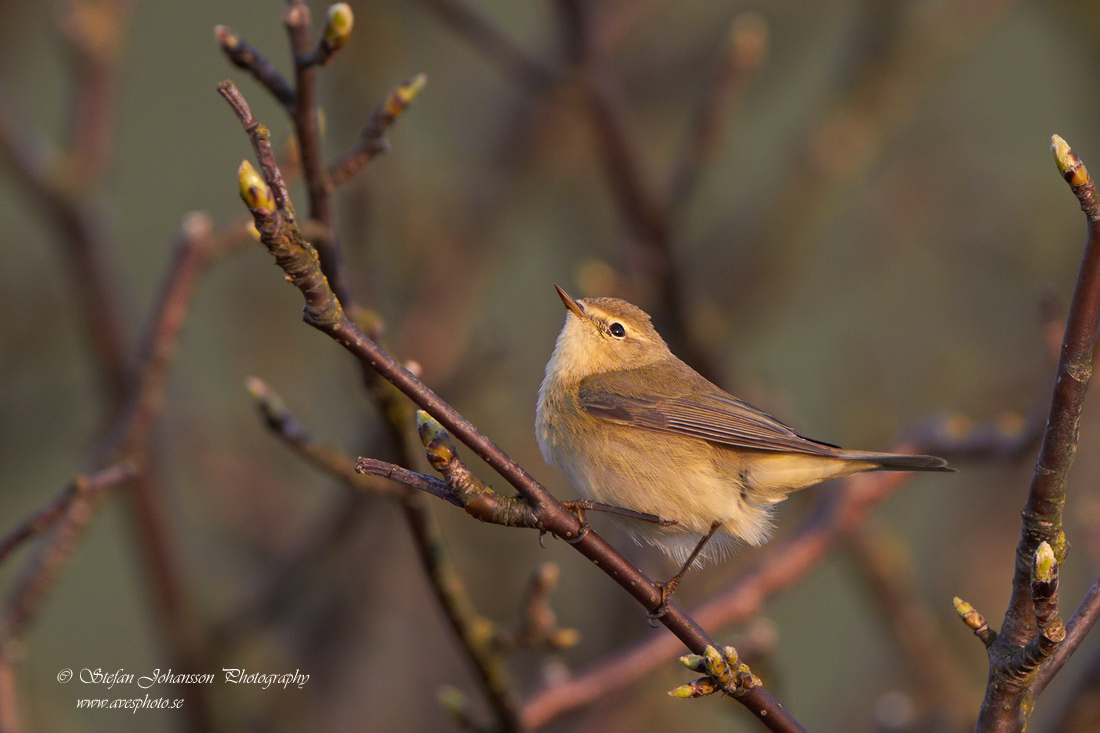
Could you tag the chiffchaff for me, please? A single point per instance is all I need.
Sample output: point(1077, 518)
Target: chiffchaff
point(631, 425)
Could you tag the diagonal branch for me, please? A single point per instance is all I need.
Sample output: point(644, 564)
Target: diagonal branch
point(244, 55)
point(323, 311)
point(417, 516)
point(45, 518)
point(373, 140)
point(1079, 624)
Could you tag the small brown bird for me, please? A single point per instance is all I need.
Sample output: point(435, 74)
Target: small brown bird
point(631, 425)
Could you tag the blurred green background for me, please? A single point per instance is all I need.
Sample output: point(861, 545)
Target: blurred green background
point(867, 248)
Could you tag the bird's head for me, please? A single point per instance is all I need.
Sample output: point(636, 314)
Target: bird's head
point(604, 335)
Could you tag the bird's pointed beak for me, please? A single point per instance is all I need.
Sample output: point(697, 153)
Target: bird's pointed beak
point(572, 305)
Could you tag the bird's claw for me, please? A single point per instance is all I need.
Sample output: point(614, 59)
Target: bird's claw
point(662, 608)
point(578, 509)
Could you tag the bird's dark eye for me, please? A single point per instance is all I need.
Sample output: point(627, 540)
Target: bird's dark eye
point(617, 330)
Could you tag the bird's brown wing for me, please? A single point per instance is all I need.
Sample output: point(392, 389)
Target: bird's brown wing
point(693, 408)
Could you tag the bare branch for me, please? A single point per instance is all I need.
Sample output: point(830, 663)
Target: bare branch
point(335, 36)
point(84, 246)
point(443, 581)
point(330, 460)
point(45, 518)
point(93, 32)
point(307, 129)
point(244, 55)
point(373, 140)
point(537, 627)
point(127, 440)
point(1079, 624)
point(462, 489)
point(1029, 636)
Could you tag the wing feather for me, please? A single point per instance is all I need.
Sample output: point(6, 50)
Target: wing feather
point(692, 408)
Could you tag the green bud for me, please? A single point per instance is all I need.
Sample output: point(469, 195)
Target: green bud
point(254, 191)
point(257, 388)
point(403, 95)
point(1071, 167)
point(716, 665)
point(699, 688)
point(338, 28)
point(566, 638)
point(227, 39)
point(1046, 567)
point(436, 440)
point(694, 662)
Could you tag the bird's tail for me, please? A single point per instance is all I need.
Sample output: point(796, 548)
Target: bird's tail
point(898, 461)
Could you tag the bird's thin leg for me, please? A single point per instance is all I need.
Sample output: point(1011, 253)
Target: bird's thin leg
point(669, 587)
point(579, 506)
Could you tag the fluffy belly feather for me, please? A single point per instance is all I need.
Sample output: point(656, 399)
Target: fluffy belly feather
point(683, 479)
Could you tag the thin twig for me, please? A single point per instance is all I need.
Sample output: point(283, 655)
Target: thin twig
point(442, 580)
point(78, 222)
point(537, 627)
point(326, 458)
point(244, 55)
point(44, 519)
point(1079, 624)
point(323, 311)
point(307, 130)
point(94, 37)
point(397, 415)
point(67, 195)
point(373, 140)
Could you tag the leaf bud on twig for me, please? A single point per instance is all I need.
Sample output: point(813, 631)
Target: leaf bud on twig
point(403, 95)
point(1073, 170)
point(699, 688)
point(1046, 567)
point(254, 191)
point(338, 28)
point(437, 442)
